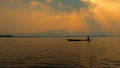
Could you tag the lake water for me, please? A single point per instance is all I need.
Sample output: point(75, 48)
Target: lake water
point(102, 52)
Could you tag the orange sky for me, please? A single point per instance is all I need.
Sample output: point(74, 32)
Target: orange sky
point(100, 16)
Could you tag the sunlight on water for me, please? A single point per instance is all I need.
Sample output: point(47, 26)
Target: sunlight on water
point(59, 53)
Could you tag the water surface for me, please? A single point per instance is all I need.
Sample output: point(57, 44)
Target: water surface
point(102, 52)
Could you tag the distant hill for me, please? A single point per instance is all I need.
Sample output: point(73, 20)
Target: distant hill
point(65, 33)
point(51, 33)
point(61, 33)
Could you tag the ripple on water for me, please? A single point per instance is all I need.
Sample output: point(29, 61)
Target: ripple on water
point(113, 62)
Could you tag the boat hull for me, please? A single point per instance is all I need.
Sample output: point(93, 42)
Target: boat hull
point(77, 40)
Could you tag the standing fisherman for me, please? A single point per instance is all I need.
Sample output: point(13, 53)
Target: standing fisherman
point(88, 38)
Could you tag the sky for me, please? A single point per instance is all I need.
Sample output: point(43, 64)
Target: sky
point(73, 17)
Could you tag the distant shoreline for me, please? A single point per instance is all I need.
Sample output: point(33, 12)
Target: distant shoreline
point(7, 36)
point(51, 36)
point(39, 36)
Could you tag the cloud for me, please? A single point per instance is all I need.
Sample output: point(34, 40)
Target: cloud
point(60, 5)
point(54, 15)
point(35, 4)
point(48, 1)
point(69, 5)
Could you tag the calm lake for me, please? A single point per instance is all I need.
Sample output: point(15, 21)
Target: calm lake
point(101, 52)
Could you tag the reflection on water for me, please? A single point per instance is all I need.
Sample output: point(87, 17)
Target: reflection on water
point(59, 53)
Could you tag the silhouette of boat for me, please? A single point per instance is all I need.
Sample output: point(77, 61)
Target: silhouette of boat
point(77, 40)
point(88, 39)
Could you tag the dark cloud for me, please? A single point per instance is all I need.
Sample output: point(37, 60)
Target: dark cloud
point(70, 5)
point(57, 5)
